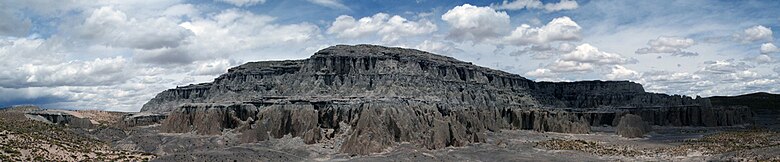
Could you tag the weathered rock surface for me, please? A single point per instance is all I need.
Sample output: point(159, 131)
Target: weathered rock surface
point(766, 107)
point(391, 95)
point(60, 117)
point(632, 126)
point(375, 125)
point(691, 115)
point(142, 119)
point(363, 71)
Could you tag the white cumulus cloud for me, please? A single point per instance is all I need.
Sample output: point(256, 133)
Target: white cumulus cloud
point(537, 4)
point(587, 53)
point(477, 24)
point(570, 66)
point(443, 48)
point(672, 45)
point(540, 73)
point(181, 10)
point(769, 48)
point(113, 27)
point(763, 59)
point(545, 51)
point(559, 29)
point(562, 5)
point(101, 71)
point(725, 66)
point(622, 73)
point(242, 3)
point(233, 32)
point(45, 63)
point(214, 67)
point(335, 4)
point(755, 33)
point(389, 28)
point(583, 58)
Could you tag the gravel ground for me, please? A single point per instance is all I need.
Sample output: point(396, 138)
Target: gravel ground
point(669, 144)
point(29, 140)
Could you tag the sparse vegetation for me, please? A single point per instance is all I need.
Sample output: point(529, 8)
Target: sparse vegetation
point(733, 141)
point(586, 146)
point(718, 143)
point(50, 142)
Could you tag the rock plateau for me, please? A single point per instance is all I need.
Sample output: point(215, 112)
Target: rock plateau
point(372, 97)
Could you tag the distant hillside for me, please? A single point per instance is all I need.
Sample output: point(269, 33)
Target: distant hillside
point(760, 100)
point(21, 108)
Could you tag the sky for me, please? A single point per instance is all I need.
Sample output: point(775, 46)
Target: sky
point(117, 54)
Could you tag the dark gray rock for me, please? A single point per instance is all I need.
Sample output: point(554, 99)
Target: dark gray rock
point(692, 115)
point(632, 126)
point(56, 117)
point(391, 95)
point(142, 119)
point(362, 71)
point(375, 125)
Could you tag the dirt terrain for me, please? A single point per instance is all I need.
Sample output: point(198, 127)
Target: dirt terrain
point(31, 140)
point(23, 139)
point(675, 144)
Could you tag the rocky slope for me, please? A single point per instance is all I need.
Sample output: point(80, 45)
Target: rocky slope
point(23, 139)
point(379, 96)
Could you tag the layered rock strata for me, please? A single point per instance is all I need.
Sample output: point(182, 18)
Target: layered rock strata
point(691, 115)
point(55, 117)
point(142, 119)
point(390, 95)
point(374, 125)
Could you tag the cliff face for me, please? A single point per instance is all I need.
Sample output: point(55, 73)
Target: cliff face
point(61, 118)
point(366, 71)
point(369, 126)
point(766, 106)
point(362, 71)
point(142, 119)
point(388, 95)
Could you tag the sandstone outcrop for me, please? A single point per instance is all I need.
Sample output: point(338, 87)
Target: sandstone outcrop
point(390, 95)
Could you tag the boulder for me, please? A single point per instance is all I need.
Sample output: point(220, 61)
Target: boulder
point(632, 126)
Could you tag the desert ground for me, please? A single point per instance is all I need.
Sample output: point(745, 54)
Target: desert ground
point(26, 139)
